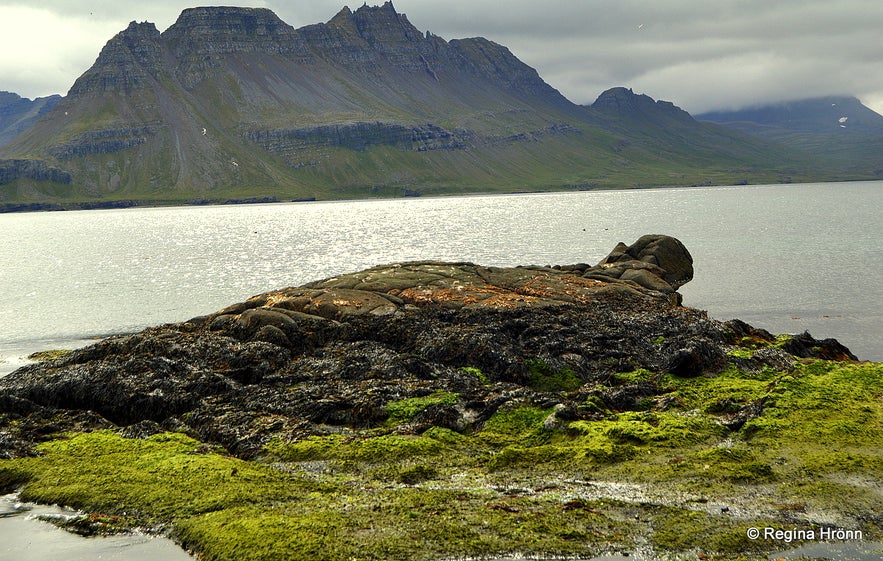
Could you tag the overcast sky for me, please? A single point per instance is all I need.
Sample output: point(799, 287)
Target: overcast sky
point(699, 54)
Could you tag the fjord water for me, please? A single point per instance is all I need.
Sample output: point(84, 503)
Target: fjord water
point(787, 258)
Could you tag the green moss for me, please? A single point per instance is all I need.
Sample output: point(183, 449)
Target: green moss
point(400, 524)
point(482, 377)
point(639, 375)
point(163, 476)
point(510, 486)
point(741, 353)
point(679, 529)
point(49, 355)
point(361, 448)
point(407, 474)
point(733, 464)
point(546, 379)
point(405, 410)
point(660, 429)
point(594, 404)
point(520, 422)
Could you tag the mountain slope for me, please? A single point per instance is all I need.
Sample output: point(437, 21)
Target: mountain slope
point(17, 113)
point(839, 130)
point(665, 132)
point(235, 103)
point(823, 115)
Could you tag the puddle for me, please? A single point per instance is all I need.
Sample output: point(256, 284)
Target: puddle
point(24, 537)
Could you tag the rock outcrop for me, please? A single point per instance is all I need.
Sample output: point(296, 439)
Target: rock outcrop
point(38, 170)
point(625, 103)
point(656, 262)
point(360, 136)
point(126, 63)
point(334, 353)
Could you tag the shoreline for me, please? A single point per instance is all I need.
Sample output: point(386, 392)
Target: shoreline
point(16, 354)
point(272, 200)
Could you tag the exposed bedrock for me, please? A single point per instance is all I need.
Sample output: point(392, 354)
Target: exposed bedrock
point(333, 354)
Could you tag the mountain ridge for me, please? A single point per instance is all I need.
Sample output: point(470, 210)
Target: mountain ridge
point(235, 103)
point(837, 129)
point(17, 114)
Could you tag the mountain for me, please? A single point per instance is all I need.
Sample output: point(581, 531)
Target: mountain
point(233, 103)
point(18, 113)
point(823, 115)
point(839, 129)
point(665, 133)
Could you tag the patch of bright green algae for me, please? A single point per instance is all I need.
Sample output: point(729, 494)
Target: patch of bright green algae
point(514, 484)
point(52, 354)
point(161, 477)
point(405, 410)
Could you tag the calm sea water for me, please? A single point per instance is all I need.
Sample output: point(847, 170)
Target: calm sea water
point(787, 258)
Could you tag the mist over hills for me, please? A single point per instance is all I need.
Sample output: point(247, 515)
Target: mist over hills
point(838, 130)
point(822, 115)
point(235, 104)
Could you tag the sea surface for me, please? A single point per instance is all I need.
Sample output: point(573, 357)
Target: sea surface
point(786, 258)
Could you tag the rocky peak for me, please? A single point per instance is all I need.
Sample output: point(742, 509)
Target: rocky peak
point(625, 102)
point(382, 24)
point(217, 30)
point(9, 98)
point(125, 62)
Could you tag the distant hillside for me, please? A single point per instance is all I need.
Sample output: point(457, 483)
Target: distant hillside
point(666, 133)
point(234, 104)
point(840, 130)
point(18, 113)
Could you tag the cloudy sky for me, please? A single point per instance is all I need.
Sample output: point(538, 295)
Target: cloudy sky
point(699, 54)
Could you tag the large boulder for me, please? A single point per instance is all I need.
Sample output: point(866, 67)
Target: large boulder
point(654, 261)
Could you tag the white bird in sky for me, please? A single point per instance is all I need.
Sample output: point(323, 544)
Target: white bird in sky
point(204, 131)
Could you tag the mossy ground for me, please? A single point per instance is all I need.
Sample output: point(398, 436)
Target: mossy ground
point(671, 478)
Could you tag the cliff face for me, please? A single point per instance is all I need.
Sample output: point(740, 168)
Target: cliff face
point(126, 62)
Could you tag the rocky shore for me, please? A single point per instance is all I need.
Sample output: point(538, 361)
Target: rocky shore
point(453, 372)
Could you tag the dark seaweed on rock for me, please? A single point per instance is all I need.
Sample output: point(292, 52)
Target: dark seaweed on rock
point(335, 353)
